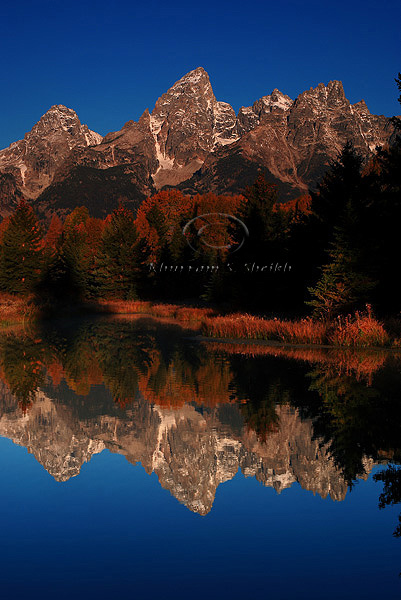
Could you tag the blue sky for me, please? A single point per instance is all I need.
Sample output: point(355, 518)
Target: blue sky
point(111, 60)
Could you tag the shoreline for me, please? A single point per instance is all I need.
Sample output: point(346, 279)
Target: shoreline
point(358, 331)
point(288, 345)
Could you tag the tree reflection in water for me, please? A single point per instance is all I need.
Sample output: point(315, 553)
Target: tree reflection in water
point(351, 399)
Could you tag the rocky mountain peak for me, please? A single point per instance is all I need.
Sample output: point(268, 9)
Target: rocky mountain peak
point(194, 87)
point(195, 77)
point(261, 111)
point(277, 100)
point(187, 123)
point(324, 96)
point(34, 160)
point(335, 93)
point(59, 110)
point(361, 108)
point(60, 120)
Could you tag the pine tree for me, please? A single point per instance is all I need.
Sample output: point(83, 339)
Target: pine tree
point(53, 234)
point(342, 212)
point(70, 268)
point(266, 244)
point(21, 252)
point(266, 225)
point(342, 185)
point(343, 285)
point(347, 280)
point(78, 216)
point(118, 263)
point(383, 237)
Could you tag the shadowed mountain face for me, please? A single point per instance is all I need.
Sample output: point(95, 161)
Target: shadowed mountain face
point(196, 415)
point(191, 140)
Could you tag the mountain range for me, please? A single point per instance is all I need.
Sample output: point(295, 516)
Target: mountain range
point(191, 141)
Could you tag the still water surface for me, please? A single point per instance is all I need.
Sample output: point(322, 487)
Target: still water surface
point(138, 462)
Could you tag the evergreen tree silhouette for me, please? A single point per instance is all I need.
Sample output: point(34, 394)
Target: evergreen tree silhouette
point(21, 252)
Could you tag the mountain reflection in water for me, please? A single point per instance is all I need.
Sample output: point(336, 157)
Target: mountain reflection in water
point(196, 412)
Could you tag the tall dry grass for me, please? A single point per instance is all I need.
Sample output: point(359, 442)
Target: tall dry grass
point(304, 331)
point(360, 330)
point(164, 311)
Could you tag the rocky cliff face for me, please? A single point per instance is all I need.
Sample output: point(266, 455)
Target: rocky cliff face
point(187, 124)
point(101, 176)
point(189, 139)
point(293, 141)
point(34, 160)
point(191, 453)
point(163, 148)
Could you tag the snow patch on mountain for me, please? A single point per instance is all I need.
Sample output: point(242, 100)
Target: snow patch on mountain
point(164, 161)
point(23, 169)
